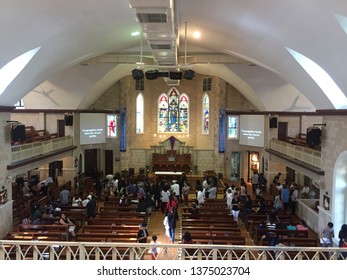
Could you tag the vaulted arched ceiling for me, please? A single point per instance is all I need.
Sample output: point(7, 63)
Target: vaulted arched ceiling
point(246, 43)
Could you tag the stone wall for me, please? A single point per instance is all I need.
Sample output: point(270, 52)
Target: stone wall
point(123, 94)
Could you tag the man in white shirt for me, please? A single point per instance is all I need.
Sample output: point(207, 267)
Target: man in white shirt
point(200, 197)
point(294, 199)
point(175, 188)
point(85, 201)
point(255, 181)
point(304, 192)
point(205, 184)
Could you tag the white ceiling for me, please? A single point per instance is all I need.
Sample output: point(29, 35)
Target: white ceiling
point(234, 34)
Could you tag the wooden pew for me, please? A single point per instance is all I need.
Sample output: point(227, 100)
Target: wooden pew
point(296, 242)
point(112, 236)
point(281, 233)
point(210, 221)
point(110, 228)
point(78, 216)
point(208, 210)
point(44, 236)
point(112, 205)
point(110, 212)
point(116, 221)
point(227, 233)
point(208, 228)
point(42, 228)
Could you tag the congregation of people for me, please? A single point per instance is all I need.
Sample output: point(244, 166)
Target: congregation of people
point(168, 197)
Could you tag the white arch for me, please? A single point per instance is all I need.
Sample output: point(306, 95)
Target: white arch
point(339, 197)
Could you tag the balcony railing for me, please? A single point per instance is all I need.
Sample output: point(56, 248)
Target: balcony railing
point(304, 154)
point(31, 150)
point(44, 250)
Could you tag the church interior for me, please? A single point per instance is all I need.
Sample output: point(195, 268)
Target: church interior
point(157, 90)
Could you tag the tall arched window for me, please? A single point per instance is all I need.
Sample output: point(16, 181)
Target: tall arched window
point(173, 112)
point(139, 113)
point(205, 114)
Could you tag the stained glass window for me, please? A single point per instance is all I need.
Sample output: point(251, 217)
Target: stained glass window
point(111, 126)
point(173, 112)
point(233, 127)
point(139, 114)
point(205, 113)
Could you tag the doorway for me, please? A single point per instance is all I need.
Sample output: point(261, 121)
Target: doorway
point(235, 163)
point(108, 162)
point(253, 164)
point(90, 162)
point(282, 131)
point(61, 128)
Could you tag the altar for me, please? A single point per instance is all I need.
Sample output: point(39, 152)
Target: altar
point(170, 158)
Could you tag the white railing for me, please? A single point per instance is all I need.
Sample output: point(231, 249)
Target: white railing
point(306, 155)
point(44, 250)
point(30, 150)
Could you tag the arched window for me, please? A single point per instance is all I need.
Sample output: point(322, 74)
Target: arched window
point(139, 114)
point(205, 114)
point(173, 112)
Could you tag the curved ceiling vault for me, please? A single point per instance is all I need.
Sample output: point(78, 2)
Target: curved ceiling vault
point(246, 44)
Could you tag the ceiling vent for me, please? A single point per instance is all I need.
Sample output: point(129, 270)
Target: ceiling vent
point(159, 28)
point(152, 17)
point(161, 46)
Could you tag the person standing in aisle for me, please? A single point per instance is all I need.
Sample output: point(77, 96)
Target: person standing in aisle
point(142, 235)
point(172, 219)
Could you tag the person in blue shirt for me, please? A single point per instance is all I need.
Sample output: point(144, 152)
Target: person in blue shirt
point(285, 197)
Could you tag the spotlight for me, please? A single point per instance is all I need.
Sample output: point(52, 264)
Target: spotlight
point(175, 75)
point(189, 74)
point(152, 74)
point(138, 74)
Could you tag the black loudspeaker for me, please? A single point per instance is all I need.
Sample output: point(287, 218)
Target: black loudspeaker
point(313, 136)
point(152, 74)
point(138, 74)
point(189, 74)
point(273, 122)
point(68, 120)
point(18, 133)
point(175, 75)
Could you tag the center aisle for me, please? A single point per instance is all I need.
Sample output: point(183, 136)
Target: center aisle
point(156, 227)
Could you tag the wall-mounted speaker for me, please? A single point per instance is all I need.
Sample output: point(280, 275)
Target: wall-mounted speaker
point(138, 74)
point(313, 136)
point(152, 74)
point(68, 120)
point(175, 75)
point(18, 133)
point(189, 74)
point(273, 122)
